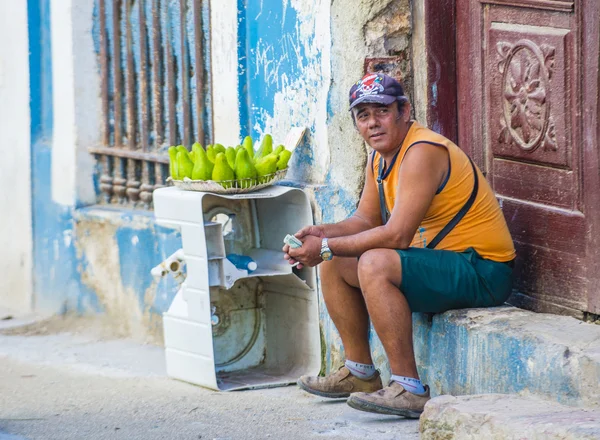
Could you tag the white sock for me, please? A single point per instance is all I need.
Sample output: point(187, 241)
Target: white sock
point(362, 371)
point(410, 384)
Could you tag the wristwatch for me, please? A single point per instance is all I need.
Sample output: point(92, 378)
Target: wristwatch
point(326, 253)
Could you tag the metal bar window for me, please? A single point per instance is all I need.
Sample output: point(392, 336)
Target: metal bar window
point(153, 71)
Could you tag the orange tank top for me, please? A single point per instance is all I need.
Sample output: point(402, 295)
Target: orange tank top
point(483, 227)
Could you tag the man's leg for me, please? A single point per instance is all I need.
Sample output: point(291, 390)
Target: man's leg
point(380, 274)
point(396, 283)
point(346, 306)
point(347, 309)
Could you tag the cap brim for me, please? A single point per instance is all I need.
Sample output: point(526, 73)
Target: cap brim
point(374, 99)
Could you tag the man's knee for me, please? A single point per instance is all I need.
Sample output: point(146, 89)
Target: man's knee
point(377, 265)
point(344, 268)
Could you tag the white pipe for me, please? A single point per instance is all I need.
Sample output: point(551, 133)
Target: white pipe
point(172, 265)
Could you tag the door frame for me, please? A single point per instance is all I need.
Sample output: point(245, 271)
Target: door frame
point(439, 17)
point(589, 16)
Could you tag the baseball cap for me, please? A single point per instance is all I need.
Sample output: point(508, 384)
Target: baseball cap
point(376, 88)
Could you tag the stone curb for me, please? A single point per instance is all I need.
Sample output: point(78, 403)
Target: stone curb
point(498, 416)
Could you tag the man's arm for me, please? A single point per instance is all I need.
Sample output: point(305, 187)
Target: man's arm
point(365, 217)
point(420, 175)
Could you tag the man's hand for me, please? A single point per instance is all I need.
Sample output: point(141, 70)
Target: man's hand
point(314, 230)
point(307, 255)
point(286, 255)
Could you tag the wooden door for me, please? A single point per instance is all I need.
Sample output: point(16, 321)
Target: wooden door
point(528, 104)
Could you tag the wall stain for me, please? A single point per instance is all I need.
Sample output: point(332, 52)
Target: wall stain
point(117, 269)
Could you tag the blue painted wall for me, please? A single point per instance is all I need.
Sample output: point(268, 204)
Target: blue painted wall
point(271, 41)
point(116, 250)
point(55, 284)
point(273, 56)
point(62, 270)
point(281, 77)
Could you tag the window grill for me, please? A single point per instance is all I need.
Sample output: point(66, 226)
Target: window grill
point(152, 67)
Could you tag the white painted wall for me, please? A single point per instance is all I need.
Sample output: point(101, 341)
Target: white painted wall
point(76, 101)
point(224, 68)
point(15, 165)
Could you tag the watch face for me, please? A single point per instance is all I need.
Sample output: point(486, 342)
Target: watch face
point(326, 255)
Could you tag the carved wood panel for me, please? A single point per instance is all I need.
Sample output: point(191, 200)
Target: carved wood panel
point(530, 103)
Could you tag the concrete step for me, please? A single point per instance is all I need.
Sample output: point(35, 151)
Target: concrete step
point(508, 351)
point(506, 417)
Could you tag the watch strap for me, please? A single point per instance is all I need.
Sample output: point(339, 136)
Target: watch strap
point(325, 249)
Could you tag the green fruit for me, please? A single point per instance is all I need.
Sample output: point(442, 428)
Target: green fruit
point(203, 167)
point(173, 163)
point(194, 148)
point(230, 155)
point(279, 149)
point(238, 148)
point(266, 147)
point(211, 153)
point(245, 171)
point(284, 158)
point(185, 165)
point(248, 145)
point(238, 155)
point(181, 148)
point(222, 171)
point(219, 148)
point(266, 166)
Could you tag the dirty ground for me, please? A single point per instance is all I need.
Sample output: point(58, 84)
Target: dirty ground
point(70, 378)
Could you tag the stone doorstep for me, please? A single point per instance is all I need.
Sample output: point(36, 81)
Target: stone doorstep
point(507, 350)
point(504, 416)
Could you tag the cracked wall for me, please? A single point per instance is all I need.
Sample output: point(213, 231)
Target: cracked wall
point(365, 34)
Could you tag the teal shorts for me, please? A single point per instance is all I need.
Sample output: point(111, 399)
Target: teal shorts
point(434, 281)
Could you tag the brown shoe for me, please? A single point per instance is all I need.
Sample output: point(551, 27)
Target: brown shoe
point(339, 384)
point(393, 400)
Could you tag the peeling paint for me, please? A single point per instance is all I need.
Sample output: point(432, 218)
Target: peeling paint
point(289, 75)
point(294, 68)
point(119, 249)
point(507, 350)
point(336, 203)
point(68, 237)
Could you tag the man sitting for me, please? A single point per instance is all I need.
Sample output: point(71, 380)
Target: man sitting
point(428, 236)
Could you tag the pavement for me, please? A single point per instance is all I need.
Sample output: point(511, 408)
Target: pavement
point(70, 378)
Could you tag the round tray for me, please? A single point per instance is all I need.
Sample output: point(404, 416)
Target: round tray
point(239, 186)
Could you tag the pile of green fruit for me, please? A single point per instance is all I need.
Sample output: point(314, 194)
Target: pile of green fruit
point(240, 166)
